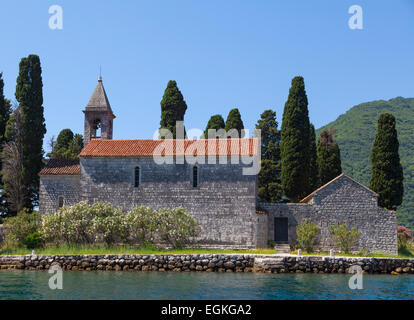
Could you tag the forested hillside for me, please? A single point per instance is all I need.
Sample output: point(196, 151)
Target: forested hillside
point(355, 133)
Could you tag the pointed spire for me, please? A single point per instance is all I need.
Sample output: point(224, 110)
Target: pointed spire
point(99, 100)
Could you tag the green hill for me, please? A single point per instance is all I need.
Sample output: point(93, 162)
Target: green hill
point(356, 131)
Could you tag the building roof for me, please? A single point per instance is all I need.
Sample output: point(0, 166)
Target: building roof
point(99, 100)
point(61, 167)
point(310, 196)
point(146, 148)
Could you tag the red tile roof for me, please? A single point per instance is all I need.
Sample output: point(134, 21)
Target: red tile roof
point(147, 148)
point(56, 167)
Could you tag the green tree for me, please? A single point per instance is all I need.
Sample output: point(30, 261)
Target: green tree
point(313, 165)
point(234, 121)
point(173, 108)
point(216, 122)
point(344, 238)
point(294, 144)
point(328, 157)
point(30, 98)
point(387, 172)
point(307, 233)
point(269, 188)
point(67, 146)
point(5, 111)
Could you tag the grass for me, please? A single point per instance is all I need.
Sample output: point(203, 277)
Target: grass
point(402, 254)
point(76, 250)
point(88, 249)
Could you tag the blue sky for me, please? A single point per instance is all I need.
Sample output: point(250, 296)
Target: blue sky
point(223, 54)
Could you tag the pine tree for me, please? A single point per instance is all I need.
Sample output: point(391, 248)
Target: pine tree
point(234, 121)
point(30, 98)
point(173, 108)
point(313, 166)
point(269, 188)
point(387, 173)
point(328, 157)
point(216, 122)
point(294, 144)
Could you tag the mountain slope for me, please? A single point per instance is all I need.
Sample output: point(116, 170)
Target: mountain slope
point(356, 131)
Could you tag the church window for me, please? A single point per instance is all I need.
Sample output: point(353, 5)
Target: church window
point(60, 201)
point(195, 177)
point(137, 177)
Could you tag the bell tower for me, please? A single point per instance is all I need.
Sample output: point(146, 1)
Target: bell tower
point(98, 115)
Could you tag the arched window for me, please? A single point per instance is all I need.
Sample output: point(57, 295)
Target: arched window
point(96, 128)
point(60, 201)
point(137, 176)
point(195, 177)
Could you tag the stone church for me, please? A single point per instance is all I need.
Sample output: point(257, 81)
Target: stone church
point(219, 196)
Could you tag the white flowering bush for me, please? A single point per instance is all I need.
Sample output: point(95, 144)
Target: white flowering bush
point(69, 224)
point(101, 223)
point(176, 227)
point(142, 225)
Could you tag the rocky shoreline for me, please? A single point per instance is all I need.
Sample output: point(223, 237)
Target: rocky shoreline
point(208, 263)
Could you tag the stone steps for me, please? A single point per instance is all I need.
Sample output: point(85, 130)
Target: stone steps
point(282, 248)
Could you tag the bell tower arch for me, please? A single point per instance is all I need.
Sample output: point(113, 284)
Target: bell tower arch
point(98, 115)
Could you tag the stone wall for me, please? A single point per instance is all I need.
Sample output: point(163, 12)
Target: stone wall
point(52, 187)
point(208, 263)
point(342, 201)
point(345, 201)
point(223, 203)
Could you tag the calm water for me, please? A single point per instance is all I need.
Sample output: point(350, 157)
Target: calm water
point(158, 285)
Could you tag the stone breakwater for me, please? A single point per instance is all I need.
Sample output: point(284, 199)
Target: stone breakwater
point(208, 263)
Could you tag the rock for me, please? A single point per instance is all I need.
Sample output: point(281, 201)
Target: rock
point(229, 265)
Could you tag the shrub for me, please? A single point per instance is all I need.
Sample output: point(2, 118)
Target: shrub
point(344, 238)
point(142, 225)
point(306, 236)
point(33, 241)
point(404, 236)
point(108, 223)
point(18, 228)
point(176, 227)
point(102, 223)
point(69, 224)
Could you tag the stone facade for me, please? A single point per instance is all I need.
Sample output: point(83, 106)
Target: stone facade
point(223, 203)
point(54, 186)
point(343, 200)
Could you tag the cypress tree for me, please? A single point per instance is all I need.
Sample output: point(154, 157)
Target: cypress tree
point(234, 121)
point(313, 166)
point(30, 97)
point(216, 122)
point(5, 110)
point(387, 173)
point(173, 107)
point(294, 146)
point(328, 157)
point(269, 188)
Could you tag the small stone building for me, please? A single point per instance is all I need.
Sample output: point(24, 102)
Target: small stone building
point(217, 193)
